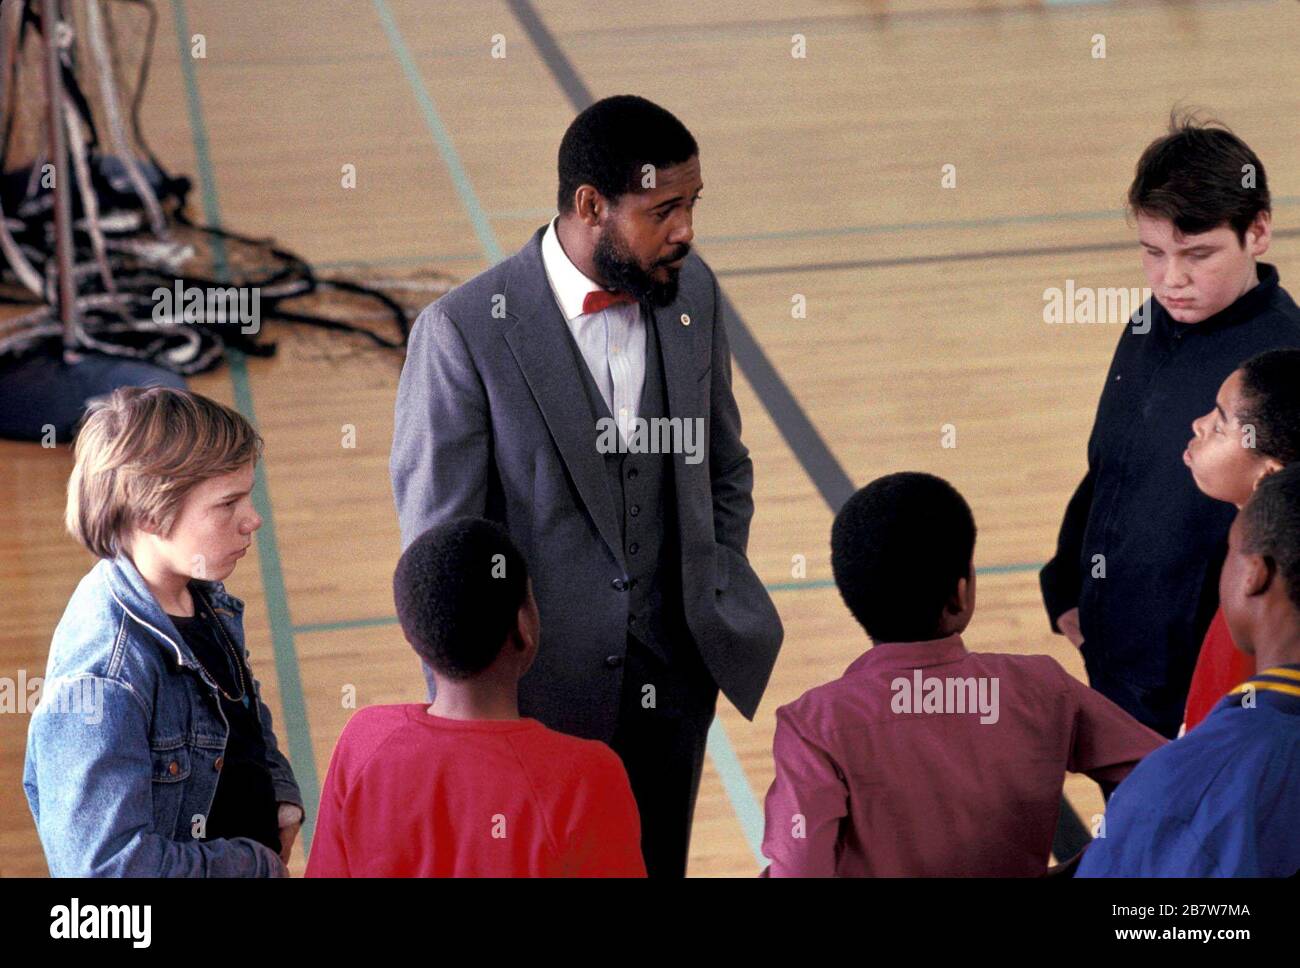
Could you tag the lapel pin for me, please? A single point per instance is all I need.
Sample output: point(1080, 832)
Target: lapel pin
point(686, 319)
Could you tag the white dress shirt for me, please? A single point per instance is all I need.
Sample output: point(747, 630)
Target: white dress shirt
point(612, 341)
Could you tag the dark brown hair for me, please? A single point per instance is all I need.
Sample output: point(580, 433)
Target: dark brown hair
point(1200, 176)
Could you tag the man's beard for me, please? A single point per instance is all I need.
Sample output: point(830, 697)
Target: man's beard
point(621, 272)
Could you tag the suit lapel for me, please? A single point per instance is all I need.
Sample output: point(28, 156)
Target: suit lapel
point(539, 340)
point(677, 347)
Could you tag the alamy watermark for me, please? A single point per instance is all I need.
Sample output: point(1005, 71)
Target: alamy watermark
point(76, 921)
point(954, 694)
point(654, 435)
point(215, 305)
point(77, 695)
point(1085, 304)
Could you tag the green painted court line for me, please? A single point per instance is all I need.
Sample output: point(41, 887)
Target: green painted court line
point(441, 136)
point(744, 802)
point(792, 586)
point(295, 725)
point(346, 625)
point(800, 586)
point(292, 700)
point(736, 782)
point(199, 133)
point(1010, 569)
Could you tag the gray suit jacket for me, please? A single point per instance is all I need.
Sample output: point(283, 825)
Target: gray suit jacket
point(492, 421)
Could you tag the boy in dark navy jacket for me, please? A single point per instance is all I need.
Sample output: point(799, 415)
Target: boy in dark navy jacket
point(1134, 579)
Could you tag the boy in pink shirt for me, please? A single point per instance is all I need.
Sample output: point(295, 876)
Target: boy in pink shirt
point(465, 787)
point(923, 758)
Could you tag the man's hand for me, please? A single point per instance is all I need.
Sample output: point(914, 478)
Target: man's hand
point(1068, 623)
point(291, 817)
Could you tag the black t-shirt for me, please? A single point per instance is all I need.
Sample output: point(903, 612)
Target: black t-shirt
point(245, 803)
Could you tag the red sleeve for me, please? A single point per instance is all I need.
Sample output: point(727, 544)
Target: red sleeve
point(606, 840)
point(1219, 666)
point(1107, 741)
point(329, 856)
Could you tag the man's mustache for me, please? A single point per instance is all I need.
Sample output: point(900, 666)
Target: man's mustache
point(682, 254)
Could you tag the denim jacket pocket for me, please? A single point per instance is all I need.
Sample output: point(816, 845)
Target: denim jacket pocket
point(171, 768)
point(171, 763)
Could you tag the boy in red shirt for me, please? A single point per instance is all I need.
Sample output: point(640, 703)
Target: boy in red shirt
point(465, 787)
point(1253, 431)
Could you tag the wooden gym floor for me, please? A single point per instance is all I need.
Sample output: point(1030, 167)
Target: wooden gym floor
point(822, 175)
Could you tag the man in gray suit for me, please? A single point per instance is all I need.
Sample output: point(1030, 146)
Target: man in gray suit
point(579, 393)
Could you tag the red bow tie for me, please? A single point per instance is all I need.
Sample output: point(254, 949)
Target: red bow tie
point(599, 299)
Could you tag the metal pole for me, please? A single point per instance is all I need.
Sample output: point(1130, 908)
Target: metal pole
point(62, 180)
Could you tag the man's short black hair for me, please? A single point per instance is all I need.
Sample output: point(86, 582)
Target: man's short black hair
point(1270, 390)
point(898, 548)
point(458, 589)
point(607, 144)
point(1200, 176)
point(1271, 526)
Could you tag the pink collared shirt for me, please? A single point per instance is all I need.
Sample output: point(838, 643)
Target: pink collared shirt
point(925, 759)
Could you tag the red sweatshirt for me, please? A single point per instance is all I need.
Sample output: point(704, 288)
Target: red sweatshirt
point(414, 795)
point(1219, 667)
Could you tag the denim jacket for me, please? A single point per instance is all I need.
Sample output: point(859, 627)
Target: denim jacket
point(124, 749)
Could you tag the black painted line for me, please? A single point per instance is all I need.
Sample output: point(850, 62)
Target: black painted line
point(920, 260)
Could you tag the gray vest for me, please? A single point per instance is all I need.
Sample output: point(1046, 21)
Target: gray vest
point(642, 488)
